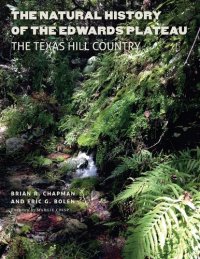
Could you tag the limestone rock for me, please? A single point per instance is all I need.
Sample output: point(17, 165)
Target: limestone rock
point(91, 65)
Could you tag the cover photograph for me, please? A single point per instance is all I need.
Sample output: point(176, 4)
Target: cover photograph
point(99, 129)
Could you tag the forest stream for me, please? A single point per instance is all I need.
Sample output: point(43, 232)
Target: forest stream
point(50, 211)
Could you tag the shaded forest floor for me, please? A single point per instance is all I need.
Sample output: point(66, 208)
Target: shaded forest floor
point(75, 218)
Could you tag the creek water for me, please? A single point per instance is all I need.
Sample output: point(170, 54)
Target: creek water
point(85, 166)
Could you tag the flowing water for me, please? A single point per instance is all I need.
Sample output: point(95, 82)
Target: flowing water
point(85, 166)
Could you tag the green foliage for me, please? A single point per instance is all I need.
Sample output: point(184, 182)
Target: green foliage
point(26, 115)
point(25, 229)
point(50, 144)
point(131, 97)
point(63, 79)
point(68, 168)
point(114, 100)
point(73, 250)
point(167, 231)
point(39, 161)
point(166, 220)
point(22, 247)
point(85, 186)
point(132, 104)
point(9, 82)
point(77, 206)
point(54, 176)
point(138, 163)
point(71, 126)
point(101, 154)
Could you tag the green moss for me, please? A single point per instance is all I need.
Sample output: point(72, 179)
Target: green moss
point(77, 206)
point(85, 186)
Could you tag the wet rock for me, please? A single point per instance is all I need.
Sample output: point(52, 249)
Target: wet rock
point(89, 69)
point(14, 145)
point(86, 166)
point(92, 60)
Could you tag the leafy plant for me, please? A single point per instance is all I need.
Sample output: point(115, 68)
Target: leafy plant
point(136, 164)
point(39, 161)
point(27, 115)
point(84, 185)
point(22, 247)
point(166, 220)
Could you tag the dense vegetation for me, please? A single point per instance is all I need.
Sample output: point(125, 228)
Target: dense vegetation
point(136, 111)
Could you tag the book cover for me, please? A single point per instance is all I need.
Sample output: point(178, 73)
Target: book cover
point(99, 129)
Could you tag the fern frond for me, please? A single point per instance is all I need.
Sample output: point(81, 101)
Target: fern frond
point(168, 219)
point(155, 181)
point(136, 164)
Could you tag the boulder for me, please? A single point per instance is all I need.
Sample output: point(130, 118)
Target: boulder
point(14, 145)
point(91, 65)
point(89, 69)
point(74, 226)
point(92, 60)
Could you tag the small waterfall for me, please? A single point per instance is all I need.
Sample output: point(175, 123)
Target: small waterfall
point(85, 166)
point(82, 166)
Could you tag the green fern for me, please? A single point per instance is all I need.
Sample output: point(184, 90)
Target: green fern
point(166, 221)
point(137, 163)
